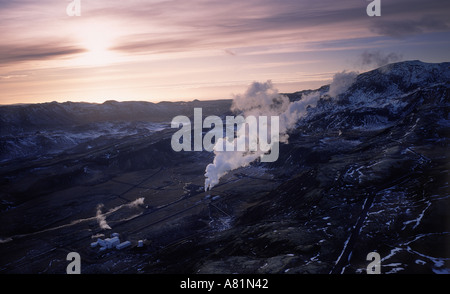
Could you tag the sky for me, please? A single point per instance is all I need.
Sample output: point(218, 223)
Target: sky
point(171, 50)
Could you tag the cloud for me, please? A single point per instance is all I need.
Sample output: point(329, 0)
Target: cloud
point(169, 26)
point(12, 76)
point(176, 26)
point(146, 37)
point(163, 45)
point(230, 52)
point(401, 28)
point(183, 26)
point(12, 53)
point(411, 17)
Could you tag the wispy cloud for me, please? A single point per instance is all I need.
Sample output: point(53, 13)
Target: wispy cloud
point(226, 42)
point(410, 17)
point(173, 26)
point(12, 53)
point(230, 52)
point(8, 77)
point(404, 27)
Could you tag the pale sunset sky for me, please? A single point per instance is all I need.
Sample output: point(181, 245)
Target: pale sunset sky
point(204, 49)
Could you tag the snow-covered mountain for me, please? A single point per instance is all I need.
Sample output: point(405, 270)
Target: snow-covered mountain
point(388, 85)
point(378, 97)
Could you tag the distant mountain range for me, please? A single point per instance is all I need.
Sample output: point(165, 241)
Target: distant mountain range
point(25, 117)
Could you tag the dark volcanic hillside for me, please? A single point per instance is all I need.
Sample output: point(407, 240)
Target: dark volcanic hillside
point(364, 171)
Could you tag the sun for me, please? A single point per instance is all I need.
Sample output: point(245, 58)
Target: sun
point(97, 53)
point(97, 42)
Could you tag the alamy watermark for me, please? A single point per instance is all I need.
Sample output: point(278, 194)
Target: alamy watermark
point(374, 267)
point(374, 8)
point(249, 134)
point(74, 8)
point(74, 267)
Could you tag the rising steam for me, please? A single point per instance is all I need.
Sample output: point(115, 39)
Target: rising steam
point(262, 99)
point(101, 217)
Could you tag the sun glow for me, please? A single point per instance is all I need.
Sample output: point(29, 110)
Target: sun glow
point(97, 40)
point(97, 54)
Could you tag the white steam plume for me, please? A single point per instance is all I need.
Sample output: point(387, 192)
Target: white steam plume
point(378, 58)
point(341, 82)
point(261, 99)
point(101, 218)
